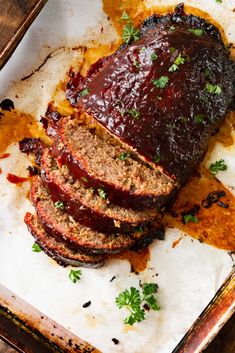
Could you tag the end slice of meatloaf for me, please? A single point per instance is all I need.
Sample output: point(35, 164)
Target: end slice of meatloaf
point(61, 225)
point(125, 181)
point(85, 205)
point(57, 250)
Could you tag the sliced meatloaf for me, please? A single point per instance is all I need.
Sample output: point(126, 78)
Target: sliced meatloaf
point(87, 206)
point(104, 165)
point(58, 250)
point(165, 94)
point(61, 225)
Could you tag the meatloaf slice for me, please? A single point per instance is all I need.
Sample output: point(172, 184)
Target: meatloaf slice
point(85, 205)
point(61, 225)
point(125, 181)
point(57, 250)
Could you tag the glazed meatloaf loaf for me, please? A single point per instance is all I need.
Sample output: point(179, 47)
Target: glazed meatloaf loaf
point(134, 138)
point(86, 205)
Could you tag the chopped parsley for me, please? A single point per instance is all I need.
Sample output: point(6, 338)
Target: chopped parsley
point(218, 166)
point(172, 50)
point(219, 1)
point(156, 159)
point(85, 179)
point(136, 64)
point(134, 113)
point(198, 118)
point(154, 56)
point(213, 89)
point(124, 155)
point(102, 193)
point(189, 218)
point(161, 82)
point(172, 28)
point(133, 301)
point(36, 248)
point(197, 32)
point(91, 190)
point(84, 92)
point(59, 205)
point(138, 229)
point(207, 73)
point(178, 61)
point(125, 16)
point(75, 275)
point(130, 33)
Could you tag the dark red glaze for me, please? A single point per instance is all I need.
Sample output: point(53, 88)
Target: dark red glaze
point(116, 195)
point(167, 127)
point(15, 179)
point(4, 155)
point(32, 145)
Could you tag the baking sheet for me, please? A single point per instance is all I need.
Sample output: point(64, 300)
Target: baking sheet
point(188, 275)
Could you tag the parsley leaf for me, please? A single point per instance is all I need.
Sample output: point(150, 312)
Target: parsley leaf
point(136, 64)
point(161, 82)
point(125, 16)
point(132, 300)
point(156, 159)
point(198, 118)
point(130, 33)
point(91, 190)
point(219, 1)
point(59, 205)
point(75, 275)
point(84, 92)
point(102, 193)
point(218, 166)
point(178, 61)
point(134, 113)
point(214, 89)
point(124, 155)
point(172, 28)
point(154, 56)
point(189, 218)
point(36, 248)
point(197, 32)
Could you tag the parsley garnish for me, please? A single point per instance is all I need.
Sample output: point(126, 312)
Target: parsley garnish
point(178, 61)
point(172, 50)
point(124, 155)
point(84, 92)
point(91, 190)
point(130, 33)
point(138, 229)
point(157, 159)
point(102, 193)
point(125, 16)
point(75, 275)
point(136, 64)
point(219, 1)
point(85, 179)
point(36, 248)
point(161, 82)
point(214, 89)
point(189, 218)
point(218, 166)
point(154, 56)
point(207, 73)
point(134, 113)
point(59, 205)
point(172, 28)
point(197, 32)
point(132, 300)
point(199, 118)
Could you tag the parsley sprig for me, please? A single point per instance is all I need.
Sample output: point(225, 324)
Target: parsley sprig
point(133, 299)
point(129, 32)
point(59, 205)
point(178, 61)
point(189, 218)
point(196, 31)
point(36, 248)
point(161, 82)
point(213, 89)
point(218, 166)
point(75, 275)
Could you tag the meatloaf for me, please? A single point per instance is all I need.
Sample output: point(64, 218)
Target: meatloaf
point(166, 107)
point(58, 250)
point(85, 205)
point(60, 224)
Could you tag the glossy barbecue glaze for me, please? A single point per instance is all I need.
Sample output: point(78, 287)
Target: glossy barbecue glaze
point(167, 131)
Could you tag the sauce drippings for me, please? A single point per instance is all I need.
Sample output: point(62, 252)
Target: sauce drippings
point(15, 179)
point(4, 155)
point(176, 242)
point(137, 259)
point(15, 125)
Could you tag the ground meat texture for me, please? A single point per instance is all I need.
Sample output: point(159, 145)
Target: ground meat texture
point(86, 206)
point(175, 119)
point(58, 250)
point(127, 182)
point(59, 224)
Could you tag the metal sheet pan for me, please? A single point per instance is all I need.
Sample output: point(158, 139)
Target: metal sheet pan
point(188, 275)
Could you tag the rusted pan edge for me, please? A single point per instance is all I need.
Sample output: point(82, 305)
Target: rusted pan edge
point(211, 320)
point(27, 329)
point(18, 34)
